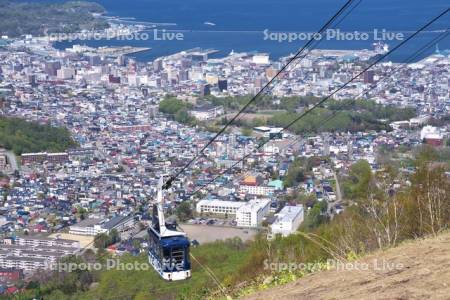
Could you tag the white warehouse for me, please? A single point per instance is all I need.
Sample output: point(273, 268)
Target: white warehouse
point(252, 213)
point(288, 220)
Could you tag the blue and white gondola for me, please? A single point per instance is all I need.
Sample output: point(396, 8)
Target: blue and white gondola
point(168, 251)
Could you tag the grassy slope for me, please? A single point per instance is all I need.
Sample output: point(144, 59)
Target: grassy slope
point(223, 258)
point(422, 272)
point(22, 136)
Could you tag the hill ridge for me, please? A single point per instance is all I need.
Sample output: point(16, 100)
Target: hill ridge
point(418, 269)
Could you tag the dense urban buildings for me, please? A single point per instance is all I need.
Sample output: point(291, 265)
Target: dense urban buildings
point(110, 105)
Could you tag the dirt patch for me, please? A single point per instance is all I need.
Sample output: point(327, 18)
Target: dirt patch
point(84, 240)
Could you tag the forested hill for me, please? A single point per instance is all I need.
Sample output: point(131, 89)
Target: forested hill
point(19, 17)
point(21, 136)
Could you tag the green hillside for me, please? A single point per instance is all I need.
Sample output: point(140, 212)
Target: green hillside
point(22, 136)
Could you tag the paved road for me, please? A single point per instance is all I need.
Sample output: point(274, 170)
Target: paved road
point(12, 160)
point(330, 210)
point(338, 188)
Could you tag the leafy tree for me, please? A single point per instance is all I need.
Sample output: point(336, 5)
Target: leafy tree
point(184, 117)
point(101, 241)
point(315, 216)
point(177, 109)
point(184, 211)
point(357, 185)
point(347, 115)
point(136, 244)
point(171, 105)
point(114, 236)
point(246, 131)
point(82, 212)
point(295, 173)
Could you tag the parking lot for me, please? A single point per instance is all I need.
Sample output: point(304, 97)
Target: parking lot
point(206, 234)
point(212, 221)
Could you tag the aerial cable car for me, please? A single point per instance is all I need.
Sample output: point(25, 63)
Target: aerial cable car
point(168, 251)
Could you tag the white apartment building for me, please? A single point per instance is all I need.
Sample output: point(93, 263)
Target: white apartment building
point(42, 241)
point(218, 206)
point(27, 264)
point(260, 190)
point(252, 213)
point(32, 253)
point(89, 226)
point(287, 220)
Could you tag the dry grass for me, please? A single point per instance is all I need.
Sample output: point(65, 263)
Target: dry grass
point(414, 270)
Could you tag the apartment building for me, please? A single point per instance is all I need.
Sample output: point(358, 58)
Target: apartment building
point(252, 213)
point(287, 220)
point(218, 206)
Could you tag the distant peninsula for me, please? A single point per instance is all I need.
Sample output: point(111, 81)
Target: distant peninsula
point(19, 18)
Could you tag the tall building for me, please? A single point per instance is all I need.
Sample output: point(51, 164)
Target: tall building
point(185, 63)
point(121, 60)
point(205, 90)
point(222, 84)
point(95, 60)
point(132, 67)
point(369, 76)
point(157, 65)
point(51, 68)
point(32, 80)
point(183, 75)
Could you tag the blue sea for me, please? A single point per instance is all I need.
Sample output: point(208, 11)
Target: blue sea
point(239, 25)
